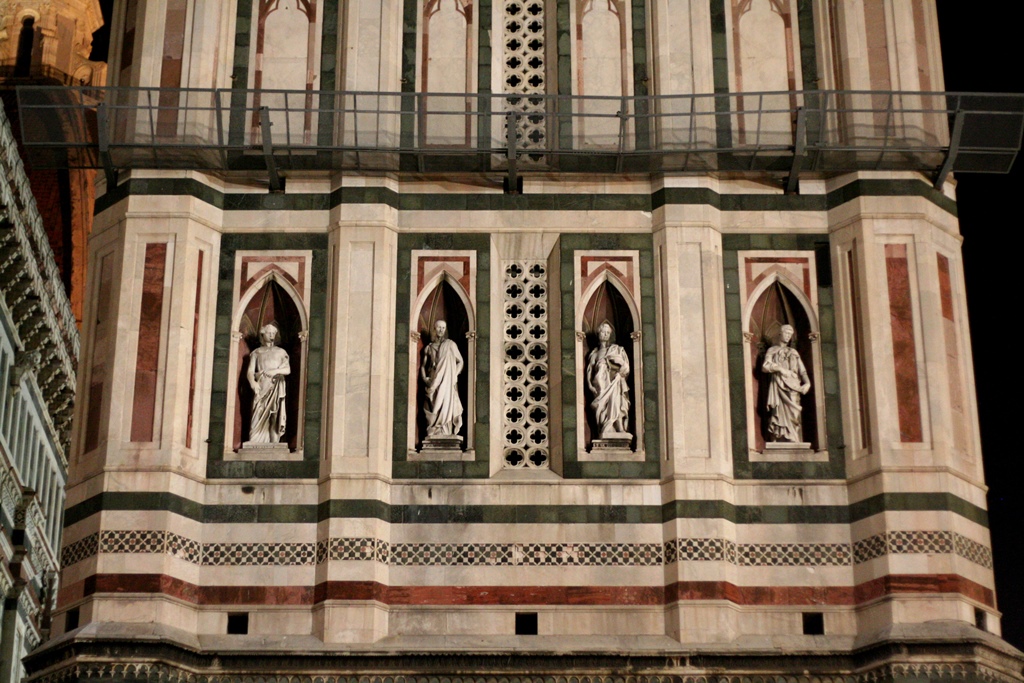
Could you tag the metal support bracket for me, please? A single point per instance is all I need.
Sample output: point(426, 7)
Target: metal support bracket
point(799, 149)
point(511, 135)
point(954, 149)
point(103, 142)
point(268, 150)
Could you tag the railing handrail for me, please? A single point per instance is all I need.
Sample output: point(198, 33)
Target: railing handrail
point(647, 129)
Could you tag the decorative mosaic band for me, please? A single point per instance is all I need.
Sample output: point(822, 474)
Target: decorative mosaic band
point(529, 554)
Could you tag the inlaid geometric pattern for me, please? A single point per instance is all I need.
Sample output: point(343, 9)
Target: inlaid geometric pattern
point(355, 548)
point(451, 554)
point(789, 554)
point(525, 387)
point(870, 548)
point(700, 549)
point(80, 550)
point(920, 542)
point(366, 549)
point(184, 548)
point(132, 541)
point(973, 551)
point(263, 554)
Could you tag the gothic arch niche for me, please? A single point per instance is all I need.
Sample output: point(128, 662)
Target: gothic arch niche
point(270, 303)
point(764, 57)
point(285, 56)
point(447, 64)
point(608, 294)
point(440, 284)
point(776, 292)
point(268, 289)
point(602, 54)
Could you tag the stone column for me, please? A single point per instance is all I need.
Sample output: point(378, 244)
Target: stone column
point(694, 397)
point(359, 407)
point(913, 453)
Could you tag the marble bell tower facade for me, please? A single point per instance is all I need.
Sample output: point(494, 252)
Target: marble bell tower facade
point(364, 394)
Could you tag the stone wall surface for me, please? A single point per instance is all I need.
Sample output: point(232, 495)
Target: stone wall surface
point(591, 470)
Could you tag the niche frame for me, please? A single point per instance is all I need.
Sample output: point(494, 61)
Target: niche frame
point(796, 271)
point(431, 269)
point(620, 270)
point(291, 270)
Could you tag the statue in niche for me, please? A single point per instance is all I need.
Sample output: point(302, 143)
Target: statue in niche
point(442, 365)
point(268, 367)
point(788, 382)
point(607, 370)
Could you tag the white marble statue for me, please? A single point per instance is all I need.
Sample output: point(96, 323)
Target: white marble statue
point(268, 367)
point(788, 383)
point(442, 365)
point(607, 370)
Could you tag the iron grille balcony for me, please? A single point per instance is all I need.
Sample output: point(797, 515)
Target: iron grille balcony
point(784, 133)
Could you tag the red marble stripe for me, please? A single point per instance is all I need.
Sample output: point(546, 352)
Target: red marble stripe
point(195, 352)
point(858, 348)
point(681, 591)
point(148, 355)
point(904, 351)
point(945, 287)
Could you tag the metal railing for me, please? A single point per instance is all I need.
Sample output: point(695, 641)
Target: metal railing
point(784, 132)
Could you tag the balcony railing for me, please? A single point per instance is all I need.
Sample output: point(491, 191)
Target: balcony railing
point(787, 133)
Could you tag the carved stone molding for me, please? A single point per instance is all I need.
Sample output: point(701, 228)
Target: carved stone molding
point(25, 362)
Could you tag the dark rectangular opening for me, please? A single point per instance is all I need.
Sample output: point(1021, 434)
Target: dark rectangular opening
point(814, 624)
point(526, 623)
point(238, 624)
point(71, 618)
point(981, 618)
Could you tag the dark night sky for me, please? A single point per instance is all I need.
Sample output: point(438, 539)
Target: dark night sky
point(981, 54)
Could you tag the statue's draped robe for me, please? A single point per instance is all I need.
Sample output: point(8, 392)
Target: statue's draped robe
point(442, 363)
point(784, 392)
point(607, 370)
point(268, 407)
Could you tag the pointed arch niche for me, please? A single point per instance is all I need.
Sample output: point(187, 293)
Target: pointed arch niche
point(268, 289)
point(780, 288)
point(443, 288)
point(763, 41)
point(608, 291)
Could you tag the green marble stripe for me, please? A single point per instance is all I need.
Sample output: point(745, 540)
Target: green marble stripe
point(244, 33)
point(642, 132)
point(910, 502)
point(329, 61)
point(526, 514)
point(671, 196)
